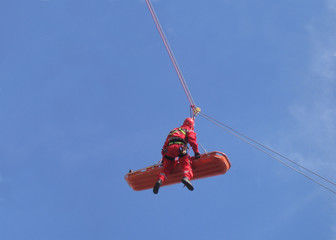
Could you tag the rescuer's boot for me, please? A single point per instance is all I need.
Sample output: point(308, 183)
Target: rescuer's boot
point(187, 183)
point(157, 186)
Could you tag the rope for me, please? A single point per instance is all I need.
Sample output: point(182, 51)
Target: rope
point(205, 151)
point(171, 55)
point(243, 137)
point(262, 148)
point(271, 150)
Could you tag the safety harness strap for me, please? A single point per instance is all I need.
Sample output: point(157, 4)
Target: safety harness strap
point(176, 140)
point(172, 143)
point(169, 158)
point(184, 131)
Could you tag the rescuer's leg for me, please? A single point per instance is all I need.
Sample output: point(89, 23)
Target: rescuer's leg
point(157, 186)
point(187, 183)
point(168, 166)
point(187, 172)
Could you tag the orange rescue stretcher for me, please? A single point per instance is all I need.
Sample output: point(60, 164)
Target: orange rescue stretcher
point(208, 165)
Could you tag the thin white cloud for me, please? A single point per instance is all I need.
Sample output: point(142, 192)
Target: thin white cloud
point(331, 4)
point(315, 115)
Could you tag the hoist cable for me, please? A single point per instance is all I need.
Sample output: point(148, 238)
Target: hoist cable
point(243, 137)
point(271, 150)
point(170, 53)
point(255, 144)
point(205, 151)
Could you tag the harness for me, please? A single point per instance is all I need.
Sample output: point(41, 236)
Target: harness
point(184, 131)
point(178, 140)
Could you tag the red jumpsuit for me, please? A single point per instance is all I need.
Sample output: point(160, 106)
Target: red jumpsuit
point(176, 141)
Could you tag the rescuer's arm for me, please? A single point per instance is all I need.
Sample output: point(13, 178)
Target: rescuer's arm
point(164, 147)
point(193, 143)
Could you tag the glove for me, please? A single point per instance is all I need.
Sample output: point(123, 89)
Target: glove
point(197, 155)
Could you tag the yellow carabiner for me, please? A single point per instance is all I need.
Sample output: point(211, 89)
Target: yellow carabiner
point(196, 110)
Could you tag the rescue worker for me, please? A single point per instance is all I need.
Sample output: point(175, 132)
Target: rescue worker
point(175, 147)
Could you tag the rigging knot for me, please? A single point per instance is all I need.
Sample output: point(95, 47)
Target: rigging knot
point(195, 110)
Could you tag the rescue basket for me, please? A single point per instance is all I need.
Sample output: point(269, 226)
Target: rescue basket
point(208, 165)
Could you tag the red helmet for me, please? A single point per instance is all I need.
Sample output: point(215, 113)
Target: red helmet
point(189, 122)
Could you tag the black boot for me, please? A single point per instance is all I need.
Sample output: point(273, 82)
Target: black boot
point(157, 186)
point(187, 183)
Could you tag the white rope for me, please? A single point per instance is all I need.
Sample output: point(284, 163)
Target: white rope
point(260, 147)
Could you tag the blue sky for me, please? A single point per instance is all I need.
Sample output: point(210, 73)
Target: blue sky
point(87, 92)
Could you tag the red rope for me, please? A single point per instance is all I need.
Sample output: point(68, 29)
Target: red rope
point(171, 55)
